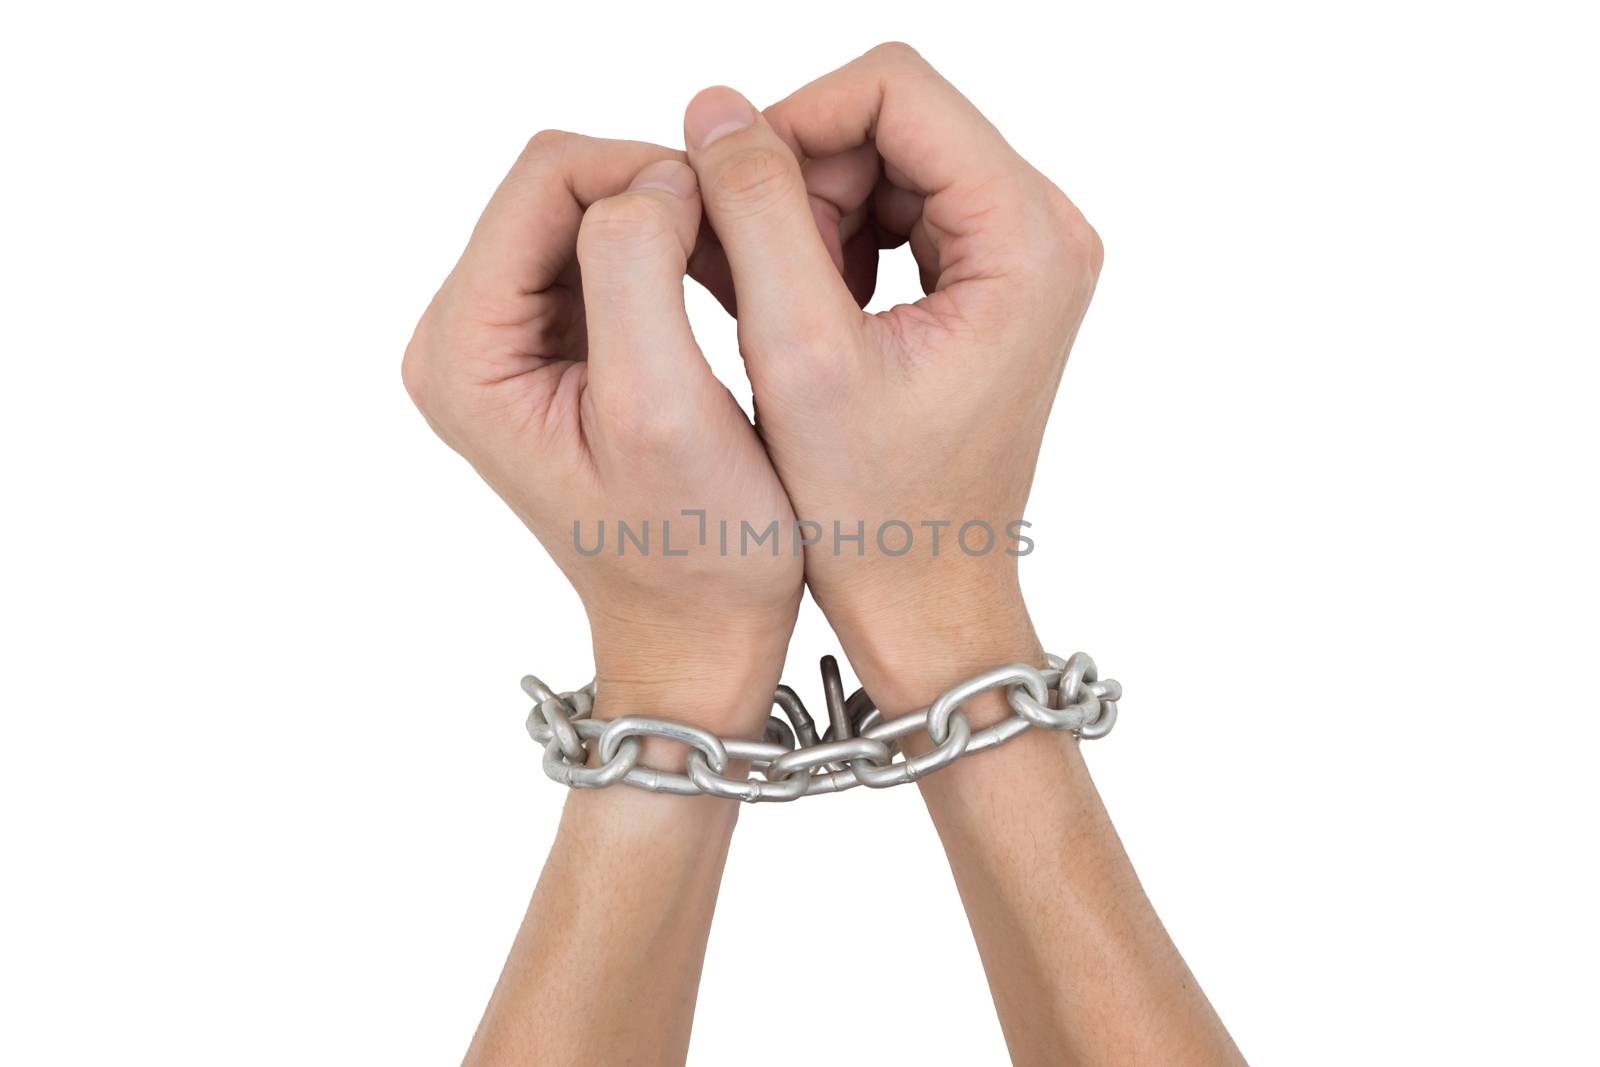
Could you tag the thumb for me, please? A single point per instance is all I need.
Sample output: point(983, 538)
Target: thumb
point(790, 294)
point(632, 252)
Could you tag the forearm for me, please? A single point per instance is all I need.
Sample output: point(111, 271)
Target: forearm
point(606, 965)
point(1079, 965)
point(607, 962)
point(1081, 969)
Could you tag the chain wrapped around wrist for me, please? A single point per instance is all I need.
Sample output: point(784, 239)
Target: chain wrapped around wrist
point(858, 747)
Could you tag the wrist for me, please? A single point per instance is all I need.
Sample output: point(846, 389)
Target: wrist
point(904, 669)
point(718, 674)
point(658, 830)
point(910, 643)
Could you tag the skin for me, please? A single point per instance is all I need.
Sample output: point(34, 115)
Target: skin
point(557, 358)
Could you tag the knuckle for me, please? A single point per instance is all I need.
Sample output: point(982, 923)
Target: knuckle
point(802, 366)
point(413, 377)
point(545, 143)
point(652, 426)
point(621, 223)
point(1094, 248)
point(416, 374)
point(897, 53)
point(755, 178)
point(1083, 245)
point(1078, 241)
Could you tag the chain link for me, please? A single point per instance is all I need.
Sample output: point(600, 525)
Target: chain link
point(858, 747)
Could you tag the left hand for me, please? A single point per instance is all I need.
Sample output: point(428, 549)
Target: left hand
point(891, 424)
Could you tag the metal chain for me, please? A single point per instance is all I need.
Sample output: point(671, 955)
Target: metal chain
point(858, 747)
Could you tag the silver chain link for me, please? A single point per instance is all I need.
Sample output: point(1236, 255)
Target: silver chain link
point(859, 746)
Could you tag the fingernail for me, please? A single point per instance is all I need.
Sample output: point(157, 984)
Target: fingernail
point(668, 175)
point(714, 114)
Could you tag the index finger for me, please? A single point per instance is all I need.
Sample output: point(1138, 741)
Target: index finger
point(931, 137)
point(529, 232)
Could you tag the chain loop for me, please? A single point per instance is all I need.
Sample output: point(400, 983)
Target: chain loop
point(1014, 675)
point(958, 732)
point(859, 746)
point(562, 733)
point(580, 776)
point(749, 790)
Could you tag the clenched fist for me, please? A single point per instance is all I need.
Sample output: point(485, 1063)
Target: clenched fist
point(557, 358)
point(926, 414)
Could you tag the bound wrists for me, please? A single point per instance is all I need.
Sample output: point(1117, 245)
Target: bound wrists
point(722, 682)
point(907, 657)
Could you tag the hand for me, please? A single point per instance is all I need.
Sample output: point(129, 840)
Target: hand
point(557, 358)
point(934, 412)
point(927, 413)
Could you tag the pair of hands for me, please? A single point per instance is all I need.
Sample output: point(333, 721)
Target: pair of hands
point(558, 359)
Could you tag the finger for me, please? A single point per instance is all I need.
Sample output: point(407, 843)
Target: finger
point(844, 180)
point(896, 209)
point(934, 143)
point(926, 256)
point(898, 212)
point(633, 251)
point(708, 265)
point(839, 187)
point(790, 293)
point(527, 233)
point(827, 220)
point(861, 265)
point(922, 126)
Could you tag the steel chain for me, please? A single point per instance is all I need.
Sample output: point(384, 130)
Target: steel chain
point(858, 746)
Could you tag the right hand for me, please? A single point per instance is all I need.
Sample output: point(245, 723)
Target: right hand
point(928, 412)
point(557, 358)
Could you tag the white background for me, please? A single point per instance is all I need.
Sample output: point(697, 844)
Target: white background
point(1319, 490)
